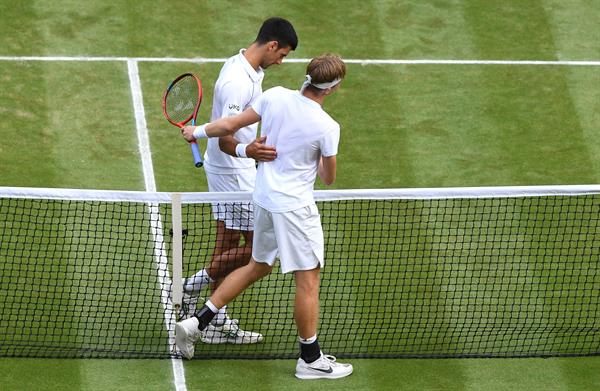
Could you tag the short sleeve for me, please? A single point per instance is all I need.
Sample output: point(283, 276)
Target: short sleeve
point(260, 105)
point(329, 143)
point(234, 99)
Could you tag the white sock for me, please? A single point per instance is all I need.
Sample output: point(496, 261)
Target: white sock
point(211, 306)
point(221, 317)
point(197, 282)
point(307, 341)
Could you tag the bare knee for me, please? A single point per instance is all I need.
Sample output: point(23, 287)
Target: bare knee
point(258, 270)
point(226, 238)
point(307, 281)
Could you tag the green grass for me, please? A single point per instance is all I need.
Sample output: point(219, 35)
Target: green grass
point(79, 263)
point(65, 140)
point(552, 374)
point(71, 125)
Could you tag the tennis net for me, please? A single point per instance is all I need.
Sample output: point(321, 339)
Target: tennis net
point(460, 272)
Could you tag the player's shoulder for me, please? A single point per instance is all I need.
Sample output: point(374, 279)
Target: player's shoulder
point(278, 93)
point(278, 90)
point(230, 83)
point(329, 124)
point(232, 71)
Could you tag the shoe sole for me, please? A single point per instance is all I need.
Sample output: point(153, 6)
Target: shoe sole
point(222, 341)
point(324, 376)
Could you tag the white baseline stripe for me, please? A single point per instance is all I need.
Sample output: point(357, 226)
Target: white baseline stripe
point(162, 263)
point(306, 60)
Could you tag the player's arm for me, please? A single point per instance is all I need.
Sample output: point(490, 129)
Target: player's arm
point(256, 150)
point(327, 169)
point(221, 127)
point(328, 163)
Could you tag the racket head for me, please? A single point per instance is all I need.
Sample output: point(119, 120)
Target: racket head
point(182, 98)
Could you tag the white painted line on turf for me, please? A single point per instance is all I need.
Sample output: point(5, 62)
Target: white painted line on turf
point(140, 123)
point(306, 60)
point(156, 225)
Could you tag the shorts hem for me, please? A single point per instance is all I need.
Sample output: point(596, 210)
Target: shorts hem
point(320, 265)
point(272, 263)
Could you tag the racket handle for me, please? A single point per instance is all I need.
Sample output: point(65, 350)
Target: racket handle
point(197, 156)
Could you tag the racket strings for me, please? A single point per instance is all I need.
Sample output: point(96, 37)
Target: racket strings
point(181, 99)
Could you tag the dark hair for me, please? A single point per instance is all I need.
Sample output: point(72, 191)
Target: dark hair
point(280, 30)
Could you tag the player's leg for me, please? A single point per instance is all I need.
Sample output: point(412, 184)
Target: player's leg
point(306, 307)
point(231, 254)
point(224, 329)
point(238, 222)
point(234, 220)
point(188, 331)
point(301, 249)
point(231, 219)
point(312, 364)
point(226, 239)
point(238, 280)
point(265, 250)
point(226, 243)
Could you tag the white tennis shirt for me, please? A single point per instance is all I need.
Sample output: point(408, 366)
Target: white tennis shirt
point(238, 86)
point(301, 132)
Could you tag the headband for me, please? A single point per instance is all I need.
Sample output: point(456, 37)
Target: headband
point(321, 86)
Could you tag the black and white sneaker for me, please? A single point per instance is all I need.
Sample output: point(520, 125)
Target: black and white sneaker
point(325, 367)
point(189, 303)
point(229, 332)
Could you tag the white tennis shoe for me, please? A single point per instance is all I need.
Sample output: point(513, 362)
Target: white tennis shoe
point(229, 332)
point(186, 335)
point(325, 367)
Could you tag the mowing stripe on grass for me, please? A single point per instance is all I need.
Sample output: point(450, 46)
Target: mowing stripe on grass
point(162, 264)
point(306, 60)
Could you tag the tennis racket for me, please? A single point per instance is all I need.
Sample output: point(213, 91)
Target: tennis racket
point(181, 103)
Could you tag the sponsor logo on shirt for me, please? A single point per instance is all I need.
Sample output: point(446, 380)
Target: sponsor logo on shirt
point(234, 107)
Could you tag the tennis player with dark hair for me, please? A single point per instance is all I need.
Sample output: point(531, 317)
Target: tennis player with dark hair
point(286, 220)
point(239, 85)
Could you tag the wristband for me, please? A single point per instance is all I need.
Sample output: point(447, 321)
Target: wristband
point(240, 150)
point(200, 131)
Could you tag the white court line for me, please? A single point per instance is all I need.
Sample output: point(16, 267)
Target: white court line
point(164, 280)
point(306, 60)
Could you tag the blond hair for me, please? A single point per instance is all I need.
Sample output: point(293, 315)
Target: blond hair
point(326, 68)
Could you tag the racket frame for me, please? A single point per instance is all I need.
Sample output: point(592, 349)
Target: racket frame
point(194, 145)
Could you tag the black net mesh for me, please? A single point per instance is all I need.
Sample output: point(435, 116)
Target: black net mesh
point(478, 277)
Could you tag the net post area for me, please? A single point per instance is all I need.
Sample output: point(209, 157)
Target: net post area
point(177, 252)
point(451, 272)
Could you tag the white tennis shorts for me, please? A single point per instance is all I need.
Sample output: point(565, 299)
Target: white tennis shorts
point(235, 215)
point(295, 237)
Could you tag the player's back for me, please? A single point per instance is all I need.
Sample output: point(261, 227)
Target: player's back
point(301, 132)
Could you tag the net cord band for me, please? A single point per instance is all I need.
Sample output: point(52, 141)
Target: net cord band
point(319, 195)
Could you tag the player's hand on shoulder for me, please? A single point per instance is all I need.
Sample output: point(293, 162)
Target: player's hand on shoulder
point(261, 152)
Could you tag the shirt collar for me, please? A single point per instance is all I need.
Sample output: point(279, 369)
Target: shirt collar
point(255, 75)
point(308, 100)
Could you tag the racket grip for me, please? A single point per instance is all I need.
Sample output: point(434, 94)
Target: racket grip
point(197, 156)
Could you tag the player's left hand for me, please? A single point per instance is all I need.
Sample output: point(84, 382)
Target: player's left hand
point(261, 152)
